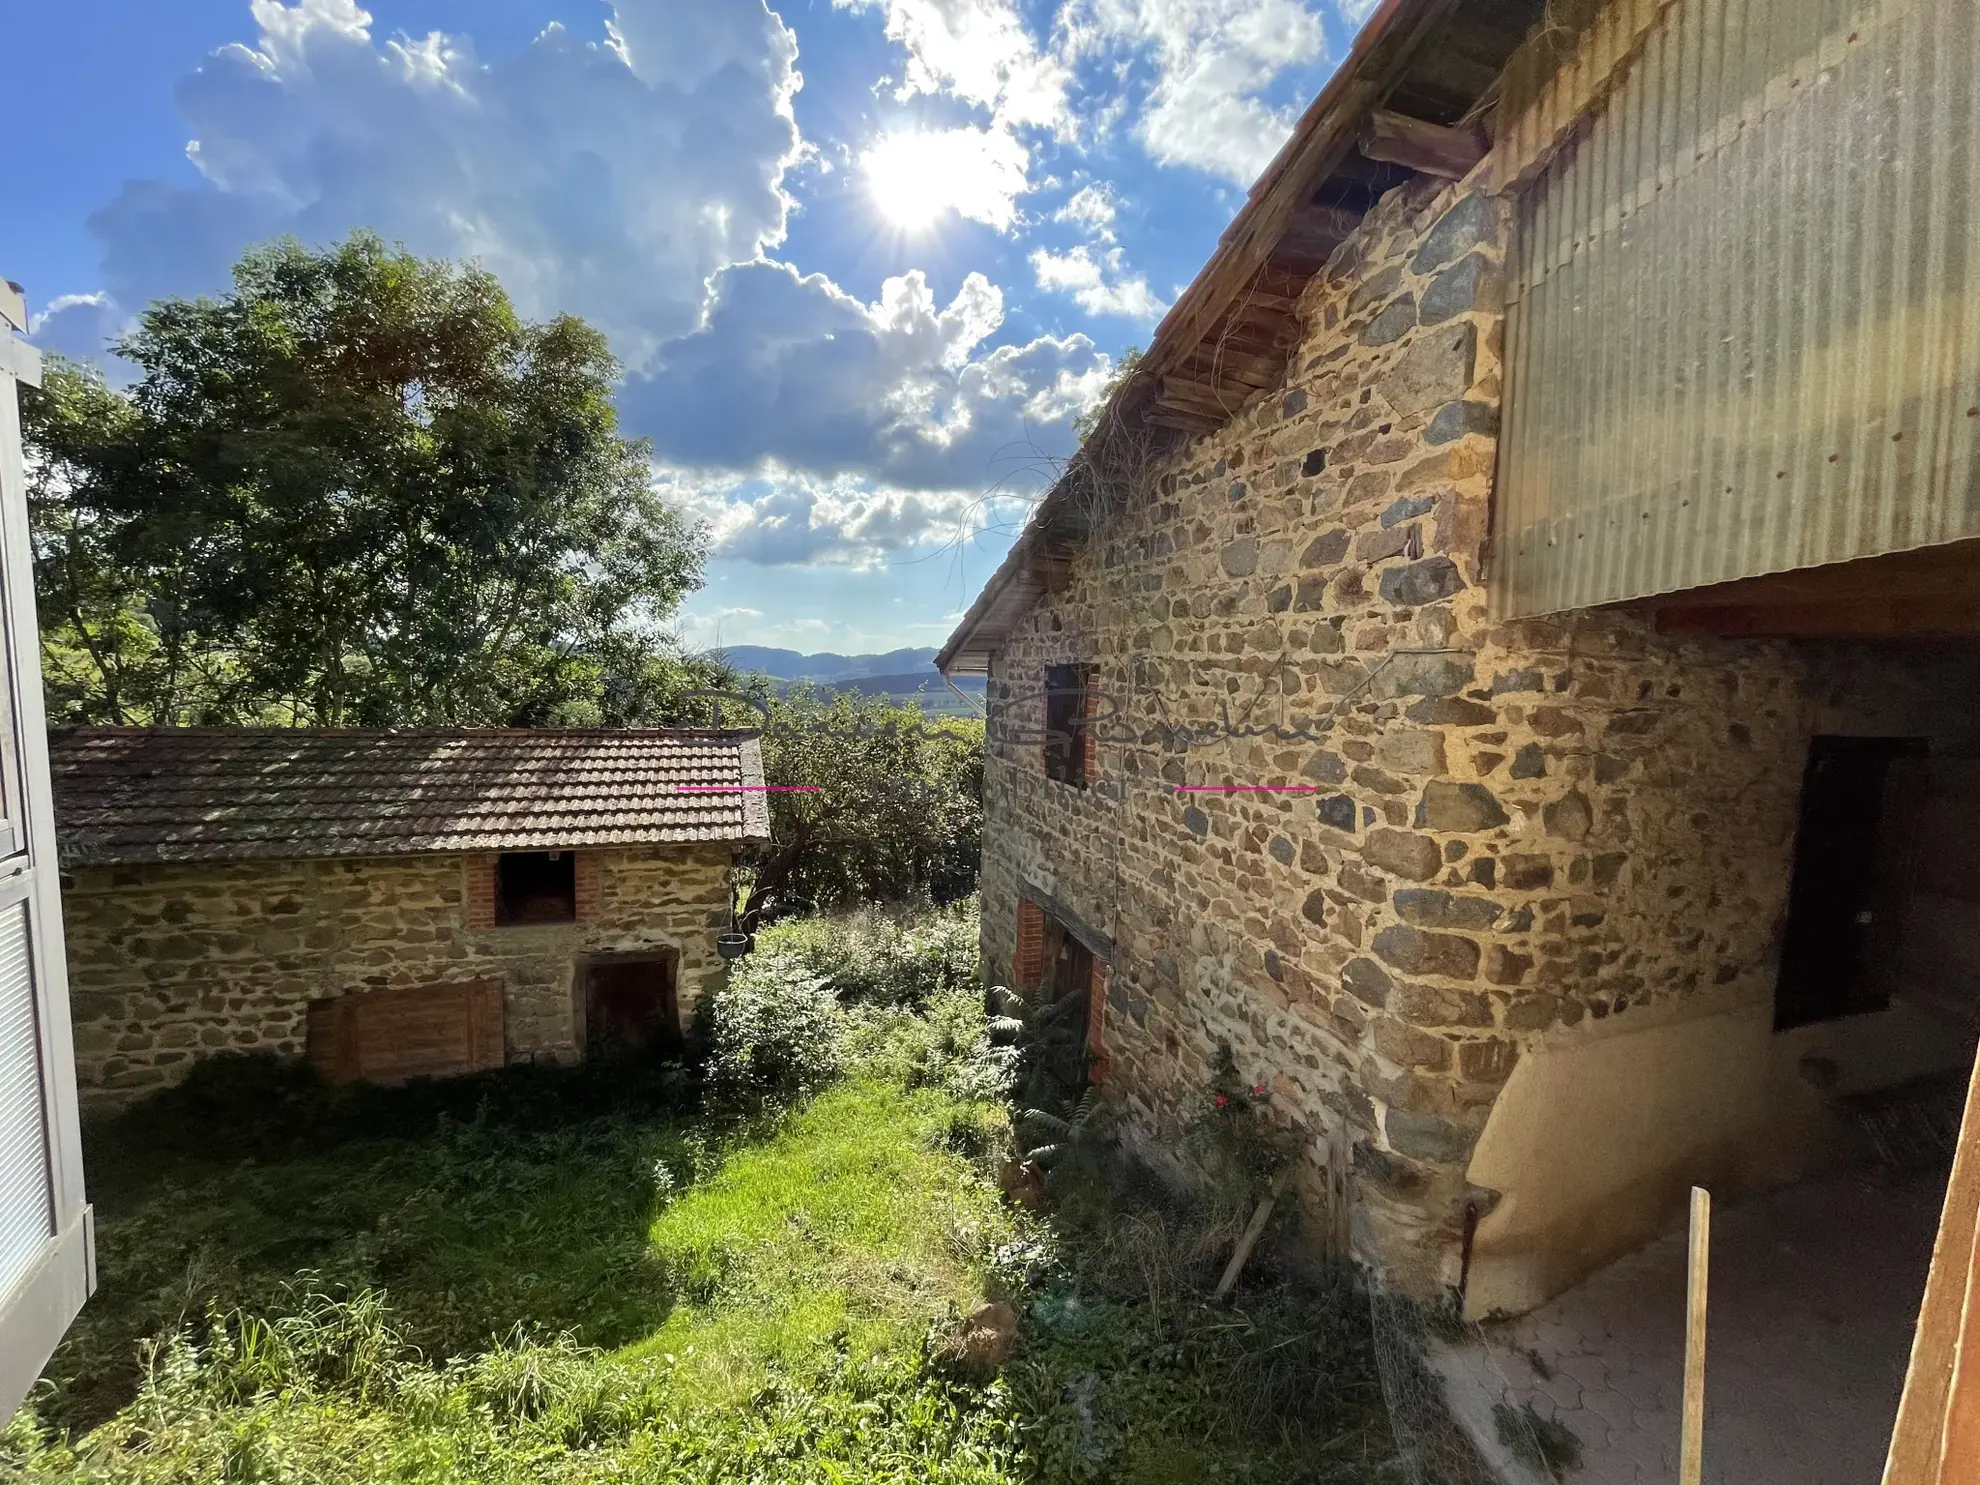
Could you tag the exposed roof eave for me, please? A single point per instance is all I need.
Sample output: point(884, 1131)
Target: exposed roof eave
point(1277, 241)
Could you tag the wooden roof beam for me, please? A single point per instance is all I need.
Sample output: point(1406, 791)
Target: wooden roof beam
point(1430, 149)
point(1202, 397)
point(1214, 362)
point(1192, 423)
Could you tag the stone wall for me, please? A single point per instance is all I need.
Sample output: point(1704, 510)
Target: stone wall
point(1519, 830)
point(171, 963)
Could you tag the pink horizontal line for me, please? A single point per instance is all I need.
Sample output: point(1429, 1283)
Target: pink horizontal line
point(746, 788)
point(1246, 788)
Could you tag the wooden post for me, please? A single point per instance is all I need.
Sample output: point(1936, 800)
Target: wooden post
point(1937, 1438)
point(1691, 1455)
point(1251, 1235)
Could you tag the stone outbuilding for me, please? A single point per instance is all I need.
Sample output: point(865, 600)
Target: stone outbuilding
point(391, 904)
point(1507, 662)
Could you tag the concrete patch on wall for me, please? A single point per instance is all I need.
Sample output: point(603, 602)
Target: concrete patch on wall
point(1601, 1131)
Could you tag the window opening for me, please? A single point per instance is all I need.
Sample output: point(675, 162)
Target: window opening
point(1066, 723)
point(536, 887)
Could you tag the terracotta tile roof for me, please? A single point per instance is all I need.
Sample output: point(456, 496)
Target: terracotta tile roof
point(130, 794)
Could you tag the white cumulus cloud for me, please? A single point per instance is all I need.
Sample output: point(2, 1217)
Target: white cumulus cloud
point(1098, 282)
point(80, 326)
point(605, 179)
point(980, 51)
point(1214, 60)
point(793, 370)
point(1093, 209)
point(786, 517)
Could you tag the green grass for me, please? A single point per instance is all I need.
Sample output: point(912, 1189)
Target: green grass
point(852, 1230)
point(568, 1276)
point(473, 1227)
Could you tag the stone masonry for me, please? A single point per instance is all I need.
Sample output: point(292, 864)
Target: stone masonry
point(171, 963)
point(1516, 826)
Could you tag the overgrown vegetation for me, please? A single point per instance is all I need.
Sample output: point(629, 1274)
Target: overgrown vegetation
point(754, 1272)
point(888, 805)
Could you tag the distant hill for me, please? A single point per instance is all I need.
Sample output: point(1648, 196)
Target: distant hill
point(789, 665)
point(900, 675)
point(903, 685)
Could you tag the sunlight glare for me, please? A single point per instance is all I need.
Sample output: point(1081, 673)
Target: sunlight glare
point(905, 174)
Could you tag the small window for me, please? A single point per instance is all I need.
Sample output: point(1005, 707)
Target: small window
point(1066, 723)
point(536, 887)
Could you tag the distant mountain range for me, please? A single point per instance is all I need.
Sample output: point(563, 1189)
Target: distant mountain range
point(897, 673)
point(789, 665)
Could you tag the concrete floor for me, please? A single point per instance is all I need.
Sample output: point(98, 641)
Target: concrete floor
point(1814, 1294)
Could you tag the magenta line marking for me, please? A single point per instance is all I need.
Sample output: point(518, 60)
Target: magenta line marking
point(1246, 788)
point(746, 788)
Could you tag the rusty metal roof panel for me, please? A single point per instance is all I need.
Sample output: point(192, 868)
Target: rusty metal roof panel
point(125, 795)
point(1744, 322)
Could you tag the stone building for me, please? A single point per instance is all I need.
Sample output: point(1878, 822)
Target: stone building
point(391, 904)
point(1505, 664)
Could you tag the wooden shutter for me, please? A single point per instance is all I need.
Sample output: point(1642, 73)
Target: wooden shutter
point(47, 1250)
point(426, 1031)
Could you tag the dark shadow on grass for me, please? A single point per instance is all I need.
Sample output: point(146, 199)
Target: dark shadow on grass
point(1127, 1371)
point(518, 1197)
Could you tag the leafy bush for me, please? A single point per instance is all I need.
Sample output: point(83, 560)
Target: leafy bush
point(773, 1032)
point(945, 1045)
point(884, 956)
point(1236, 1143)
point(1131, 1373)
point(780, 1028)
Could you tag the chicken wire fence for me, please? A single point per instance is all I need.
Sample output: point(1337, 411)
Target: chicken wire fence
point(1433, 1366)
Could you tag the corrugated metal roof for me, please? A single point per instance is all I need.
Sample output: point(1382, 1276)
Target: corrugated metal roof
point(1744, 326)
point(128, 794)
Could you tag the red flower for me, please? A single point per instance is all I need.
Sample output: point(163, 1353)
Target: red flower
point(1221, 1100)
point(1259, 1091)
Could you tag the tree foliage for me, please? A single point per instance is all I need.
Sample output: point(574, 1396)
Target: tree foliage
point(356, 490)
point(892, 807)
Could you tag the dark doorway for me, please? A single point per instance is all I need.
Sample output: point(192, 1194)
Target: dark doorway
point(1849, 853)
point(630, 1007)
point(1061, 1052)
point(535, 887)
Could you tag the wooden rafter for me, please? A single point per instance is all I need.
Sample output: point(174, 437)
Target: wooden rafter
point(1430, 149)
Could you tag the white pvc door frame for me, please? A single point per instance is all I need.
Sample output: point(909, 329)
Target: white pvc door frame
point(36, 1309)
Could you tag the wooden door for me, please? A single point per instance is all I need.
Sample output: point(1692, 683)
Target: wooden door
point(630, 1007)
point(423, 1031)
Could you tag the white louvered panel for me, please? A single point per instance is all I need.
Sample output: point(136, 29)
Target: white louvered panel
point(26, 1212)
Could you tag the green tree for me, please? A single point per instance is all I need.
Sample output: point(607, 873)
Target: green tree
point(357, 490)
point(894, 807)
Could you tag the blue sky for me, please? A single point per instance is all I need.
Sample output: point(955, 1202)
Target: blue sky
point(863, 260)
